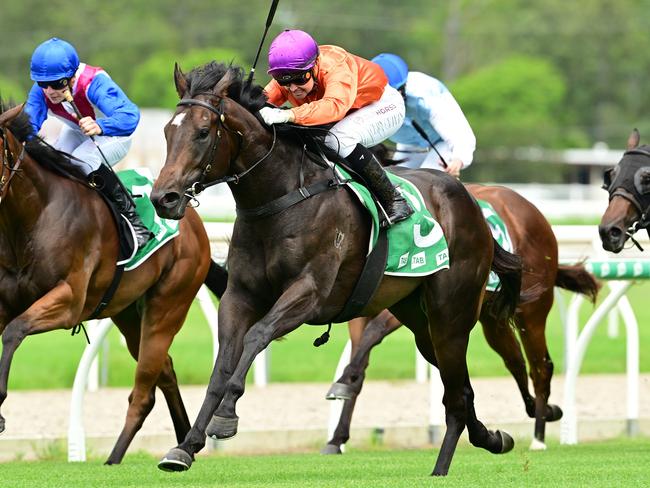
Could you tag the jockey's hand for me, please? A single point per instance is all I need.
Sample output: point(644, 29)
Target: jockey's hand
point(276, 115)
point(453, 167)
point(90, 127)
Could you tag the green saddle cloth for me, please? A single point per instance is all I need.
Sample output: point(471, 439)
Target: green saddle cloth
point(139, 182)
point(416, 245)
point(500, 234)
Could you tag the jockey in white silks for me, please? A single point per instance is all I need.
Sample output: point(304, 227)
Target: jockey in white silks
point(435, 133)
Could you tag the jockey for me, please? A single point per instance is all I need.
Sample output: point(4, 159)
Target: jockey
point(329, 85)
point(450, 142)
point(55, 69)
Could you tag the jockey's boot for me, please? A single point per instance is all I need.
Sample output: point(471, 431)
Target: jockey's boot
point(362, 161)
point(105, 180)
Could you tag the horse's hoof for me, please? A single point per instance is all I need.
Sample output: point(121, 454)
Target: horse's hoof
point(331, 449)
point(222, 427)
point(176, 460)
point(507, 442)
point(340, 391)
point(554, 413)
point(537, 445)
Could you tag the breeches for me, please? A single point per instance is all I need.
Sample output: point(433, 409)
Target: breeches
point(74, 142)
point(422, 157)
point(368, 125)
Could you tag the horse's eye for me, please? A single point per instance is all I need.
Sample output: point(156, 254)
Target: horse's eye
point(203, 133)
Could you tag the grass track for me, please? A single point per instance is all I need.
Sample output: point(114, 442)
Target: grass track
point(618, 463)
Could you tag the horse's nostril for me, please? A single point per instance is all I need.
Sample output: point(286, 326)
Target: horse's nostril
point(169, 200)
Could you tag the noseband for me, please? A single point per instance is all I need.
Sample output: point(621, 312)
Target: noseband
point(201, 185)
point(8, 163)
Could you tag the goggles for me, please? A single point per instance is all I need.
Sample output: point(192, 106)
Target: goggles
point(56, 84)
point(297, 78)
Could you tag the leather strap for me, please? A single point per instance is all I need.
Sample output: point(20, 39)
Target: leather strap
point(371, 276)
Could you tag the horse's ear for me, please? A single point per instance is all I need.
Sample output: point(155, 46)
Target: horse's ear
point(221, 88)
point(180, 81)
point(11, 114)
point(633, 139)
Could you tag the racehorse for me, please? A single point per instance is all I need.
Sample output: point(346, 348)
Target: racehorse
point(58, 252)
point(628, 185)
point(533, 240)
point(299, 244)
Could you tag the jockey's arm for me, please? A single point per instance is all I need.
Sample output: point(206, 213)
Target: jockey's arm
point(121, 114)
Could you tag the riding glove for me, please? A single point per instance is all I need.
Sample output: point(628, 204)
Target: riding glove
point(275, 115)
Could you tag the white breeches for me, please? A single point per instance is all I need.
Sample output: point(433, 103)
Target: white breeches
point(74, 142)
point(422, 157)
point(369, 125)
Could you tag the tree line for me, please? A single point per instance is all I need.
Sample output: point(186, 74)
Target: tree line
point(549, 73)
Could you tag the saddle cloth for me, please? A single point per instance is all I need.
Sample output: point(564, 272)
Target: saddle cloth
point(416, 246)
point(139, 182)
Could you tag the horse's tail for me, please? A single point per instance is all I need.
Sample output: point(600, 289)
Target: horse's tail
point(577, 279)
point(508, 268)
point(217, 279)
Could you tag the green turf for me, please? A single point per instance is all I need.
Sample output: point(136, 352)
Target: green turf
point(621, 462)
point(50, 360)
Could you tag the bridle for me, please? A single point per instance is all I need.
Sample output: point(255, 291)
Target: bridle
point(8, 163)
point(635, 198)
point(200, 185)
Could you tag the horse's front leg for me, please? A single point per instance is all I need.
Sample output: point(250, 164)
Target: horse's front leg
point(236, 315)
point(52, 311)
point(291, 310)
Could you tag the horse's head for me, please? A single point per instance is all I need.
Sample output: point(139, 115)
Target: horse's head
point(205, 136)
point(628, 185)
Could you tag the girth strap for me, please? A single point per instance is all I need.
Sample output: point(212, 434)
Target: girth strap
point(110, 291)
point(288, 200)
point(371, 276)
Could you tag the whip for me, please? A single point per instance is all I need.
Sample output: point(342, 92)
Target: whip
point(269, 20)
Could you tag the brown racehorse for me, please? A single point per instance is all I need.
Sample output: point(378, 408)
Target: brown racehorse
point(298, 246)
point(533, 240)
point(628, 185)
point(58, 249)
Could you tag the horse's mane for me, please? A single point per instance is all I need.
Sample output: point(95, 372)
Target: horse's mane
point(43, 153)
point(252, 97)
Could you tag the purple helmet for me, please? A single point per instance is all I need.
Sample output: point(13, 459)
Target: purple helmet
point(292, 50)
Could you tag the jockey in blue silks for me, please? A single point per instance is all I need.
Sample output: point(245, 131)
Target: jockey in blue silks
point(448, 142)
point(55, 69)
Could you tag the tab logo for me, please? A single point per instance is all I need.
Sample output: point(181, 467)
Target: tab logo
point(418, 260)
point(442, 256)
point(403, 260)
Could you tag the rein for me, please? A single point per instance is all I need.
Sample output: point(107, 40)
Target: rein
point(271, 208)
point(200, 185)
point(12, 166)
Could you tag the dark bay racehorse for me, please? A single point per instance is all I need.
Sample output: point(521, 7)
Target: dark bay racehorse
point(628, 185)
point(533, 240)
point(58, 249)
point(296, 255)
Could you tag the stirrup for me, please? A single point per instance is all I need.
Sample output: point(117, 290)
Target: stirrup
point(399, 212)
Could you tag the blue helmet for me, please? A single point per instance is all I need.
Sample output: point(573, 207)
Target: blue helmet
point(395, 68)
point(54, 59)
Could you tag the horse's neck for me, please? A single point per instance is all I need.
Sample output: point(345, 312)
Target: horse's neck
point(274, 177)
point(27, 196)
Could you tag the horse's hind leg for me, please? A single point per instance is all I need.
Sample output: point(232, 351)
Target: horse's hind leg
point(148, 344)
point(364, 336)
point(533, 339)
point(168, 384)
point(501, 337)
